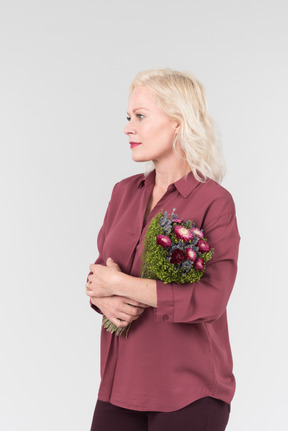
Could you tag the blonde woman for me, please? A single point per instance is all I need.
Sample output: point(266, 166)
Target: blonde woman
point(174, 372)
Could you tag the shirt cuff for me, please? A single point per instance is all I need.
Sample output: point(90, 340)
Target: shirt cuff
point(165, 302)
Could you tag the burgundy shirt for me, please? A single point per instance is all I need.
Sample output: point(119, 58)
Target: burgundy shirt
point(180, 351)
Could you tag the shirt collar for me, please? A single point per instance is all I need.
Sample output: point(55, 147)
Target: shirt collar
point(185, 185)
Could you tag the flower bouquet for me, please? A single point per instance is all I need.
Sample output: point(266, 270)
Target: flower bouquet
point(175, 251)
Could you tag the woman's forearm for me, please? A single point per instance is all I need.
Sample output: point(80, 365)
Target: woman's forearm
point(108, 281)
point(139, 289)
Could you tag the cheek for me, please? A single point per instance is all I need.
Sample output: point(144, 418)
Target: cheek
point(166, 135)
point(162, 131)
point(147, 131)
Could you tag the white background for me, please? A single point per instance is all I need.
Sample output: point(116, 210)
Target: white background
point(66, 67)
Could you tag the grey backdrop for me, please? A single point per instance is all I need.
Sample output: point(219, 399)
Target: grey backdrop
point(66, 66)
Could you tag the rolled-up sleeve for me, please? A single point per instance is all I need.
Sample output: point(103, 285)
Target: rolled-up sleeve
point(205, 300)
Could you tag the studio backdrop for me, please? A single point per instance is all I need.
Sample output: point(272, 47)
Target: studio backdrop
point(65, 72)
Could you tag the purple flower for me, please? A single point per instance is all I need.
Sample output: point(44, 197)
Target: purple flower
point(197, 232)
point(183, 233)
point(191, 254)
point(177, 256)
point(199, 264)
point(203, 246)
point(163, 240)
point(177, 220)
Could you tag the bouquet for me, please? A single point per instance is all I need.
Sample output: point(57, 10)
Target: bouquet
point(175, 251)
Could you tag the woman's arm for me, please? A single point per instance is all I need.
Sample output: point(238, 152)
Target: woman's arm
point(138, 289)
point(119, 310)
point(108, 281)
point(204, 301)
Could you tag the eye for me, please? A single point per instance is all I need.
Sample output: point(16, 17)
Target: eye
point(140, 116)
point(128, 118)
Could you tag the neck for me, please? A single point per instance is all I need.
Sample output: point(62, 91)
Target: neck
point(168, 173)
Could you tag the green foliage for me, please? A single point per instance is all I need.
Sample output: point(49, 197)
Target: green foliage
point(155, 264)
point(110, 327)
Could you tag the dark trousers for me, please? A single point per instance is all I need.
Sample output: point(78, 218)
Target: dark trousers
point(205, 414)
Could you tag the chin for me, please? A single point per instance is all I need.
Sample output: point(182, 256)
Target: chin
point(138, 158)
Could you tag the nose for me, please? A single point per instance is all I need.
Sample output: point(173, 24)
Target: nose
point(129, 129)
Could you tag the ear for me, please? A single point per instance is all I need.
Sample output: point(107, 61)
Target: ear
point(177, 127)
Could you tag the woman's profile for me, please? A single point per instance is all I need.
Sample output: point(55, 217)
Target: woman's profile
point(174, 369)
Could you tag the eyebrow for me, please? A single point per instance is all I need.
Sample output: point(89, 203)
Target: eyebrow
point(136, 109)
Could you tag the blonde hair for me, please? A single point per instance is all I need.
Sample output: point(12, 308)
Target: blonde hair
point(182, 97)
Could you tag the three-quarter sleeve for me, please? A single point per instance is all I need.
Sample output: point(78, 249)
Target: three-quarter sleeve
point(205, 300)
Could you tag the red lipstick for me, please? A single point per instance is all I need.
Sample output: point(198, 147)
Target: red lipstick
point(134, 144)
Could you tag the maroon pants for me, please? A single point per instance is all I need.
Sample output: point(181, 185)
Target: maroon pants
point(205, 414)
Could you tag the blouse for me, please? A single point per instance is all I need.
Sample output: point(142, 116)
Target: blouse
point(180, 351)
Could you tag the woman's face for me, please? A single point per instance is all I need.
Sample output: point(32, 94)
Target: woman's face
point(151, 132)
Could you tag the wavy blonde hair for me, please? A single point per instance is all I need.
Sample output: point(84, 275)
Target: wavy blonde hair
point(182, 98)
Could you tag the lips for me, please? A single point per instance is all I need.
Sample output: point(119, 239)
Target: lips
point(134, 144)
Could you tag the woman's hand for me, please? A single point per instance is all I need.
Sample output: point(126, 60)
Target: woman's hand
point(108, 281)
point(101, 279)
point(119, 310)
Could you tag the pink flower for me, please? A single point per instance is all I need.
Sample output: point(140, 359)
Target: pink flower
point(163, 240)
point(199, 264)
point(177, 256)
point(197, 232)
point(203, 246)
point(183, 233)
point(191, 254)
point(177, 220)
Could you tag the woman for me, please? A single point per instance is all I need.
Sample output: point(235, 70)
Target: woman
point(174, 372)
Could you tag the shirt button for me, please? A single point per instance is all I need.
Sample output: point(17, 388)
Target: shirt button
point(165, 317)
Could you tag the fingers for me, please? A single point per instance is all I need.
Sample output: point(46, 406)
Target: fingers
point(88, 286)
point(92, 294)
point(121, 320)
point(110, 263)
point(134, 303)
point(129, 313)
point(116, 309)
point(91, 278)
point(125, 313)
point(92, 291)
point(118, 322)
point(124, 319)
point(139, 304)
point(92, 268)
point(124, 305)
